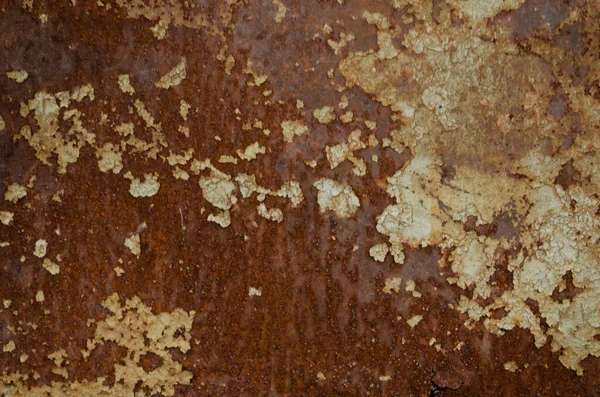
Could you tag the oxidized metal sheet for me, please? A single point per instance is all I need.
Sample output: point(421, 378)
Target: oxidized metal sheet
point(335, 197)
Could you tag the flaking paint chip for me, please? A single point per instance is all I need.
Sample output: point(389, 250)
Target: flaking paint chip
point(254, 291)
point(41, 246)
point(6, 217)
point(15, 192)
point(292, 129)
point(17, 75)
point(133, 243)
point(174, 77)
point(51, 267)
point(414, 320)
point(148, 188)
point(337, 197)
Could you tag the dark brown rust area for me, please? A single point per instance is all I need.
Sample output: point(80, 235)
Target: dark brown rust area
point(321, 309)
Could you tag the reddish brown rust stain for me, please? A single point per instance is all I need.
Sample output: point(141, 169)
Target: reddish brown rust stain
point(321, 308)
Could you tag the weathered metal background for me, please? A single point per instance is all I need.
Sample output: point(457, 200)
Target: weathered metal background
point(296, 307)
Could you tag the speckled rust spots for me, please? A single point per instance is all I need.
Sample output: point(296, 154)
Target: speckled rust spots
point(300, 198)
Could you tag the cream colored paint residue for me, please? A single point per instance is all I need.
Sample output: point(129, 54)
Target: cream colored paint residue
point(15, 192)
point(337, 197)
point(273, 214)
point(174, 77)
point(392, 285)
point(292, 129)
point(147, 188)
point(125, 84)
point(251, 151)
point(413, 321)
point(221, 218)
point(109, 158)
point(446, 80)
point(40, 249)
point(51, 267)
point(133, 244)
point(6, 217)
point(281, 10)
point(324, 115)
point(17, 75)
point(48, 139)
point(218, 190)
point(134, 327)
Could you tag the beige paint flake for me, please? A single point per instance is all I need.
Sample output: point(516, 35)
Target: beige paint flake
point(227, 159)
point(134, 327)
point(379, 251)
point(6, 303)
point(254, 291)
point(119, 271)
point(272, 214)
point(6, 217)
point(9, 347)
point(109, 158)
point(218, 190)
point(2, 124)
point(51, 267)
point(40, 249)
point(385, 378)
point(251, 152)
point(133, 243)
point(281, 10)
point(222, 218)
point(160, 29)
point(39, 296)
point(17, 75)
point(174, 77)
point(324, 115)
point(48, 139)
point(125, 84)
point(229, 64)
point(478, 11)
point(184, 109)
point(413, 321)
point(148, 188)
point(410, 287)
point(321, 376)
point(392, 285)
point(337, 197)
point(15, 192)
point(511, 366)
point(337, 46)
point(292, 129)
point(345, 151)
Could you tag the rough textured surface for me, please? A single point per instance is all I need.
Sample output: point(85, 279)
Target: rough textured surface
point(258, 198)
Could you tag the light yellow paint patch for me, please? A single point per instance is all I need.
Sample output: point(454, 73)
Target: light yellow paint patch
point(125, 84)
point(6, 217)
point(254, 291)
point(148, 188)
point(40, 249)
point(133, 243)
point(337, 197)
point(51, 267)
point(17, 75)
point(222, 218)
point(15, 192)
point(174, 77)
point(324, 115)
point(392, 285)
point(292, 129)
point(413, 321)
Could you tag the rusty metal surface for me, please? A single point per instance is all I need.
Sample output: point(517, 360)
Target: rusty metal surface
point(296, 307)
